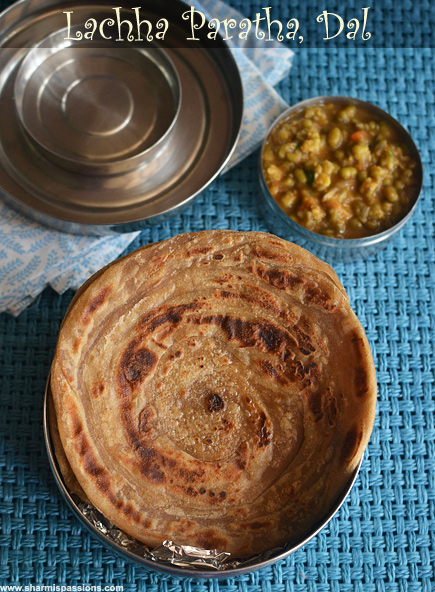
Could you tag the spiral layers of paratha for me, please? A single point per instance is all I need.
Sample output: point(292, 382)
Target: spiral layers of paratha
point(215, 389)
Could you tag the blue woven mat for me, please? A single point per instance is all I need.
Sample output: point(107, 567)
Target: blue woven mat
point(383, 537)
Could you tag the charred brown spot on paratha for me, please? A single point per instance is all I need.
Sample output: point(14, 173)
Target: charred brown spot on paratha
point(226, 426)
point(215, 403)
point(270, 255)
point(257, 525)
point(331, 408)
point(151, 463)
point(85, 452)
point(361, 379)
point(199, 251)
point(95, 303)
point(76, 425)
point(160, 345)
point(272, 372)
point(210, 539)
point(317, 296)
point(315, 403)
point(184, 526)
point(264, 335)
point(171, 315)
point(282, 279)
point(137, 365)
point(361, 385)
point(305, 344)
point(189, 475)
point(263, 434)
point(147, 419)
point(241, 456)
point(128, 510)
point(350, 444)
point(295, 370)
point(98, 389)
point(255, 297)
point(278, 278)
point(312, 375)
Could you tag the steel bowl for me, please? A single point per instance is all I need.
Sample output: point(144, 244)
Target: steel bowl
point(98, 109)
point(334, 250)
point(100, 137)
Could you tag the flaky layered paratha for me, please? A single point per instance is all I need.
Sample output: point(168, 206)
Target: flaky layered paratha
point(215, 389)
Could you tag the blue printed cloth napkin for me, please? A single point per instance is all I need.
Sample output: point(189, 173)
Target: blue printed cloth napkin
point(34, 256)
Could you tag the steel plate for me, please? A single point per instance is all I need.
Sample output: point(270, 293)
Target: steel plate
point(100, 137)
point(245, 566)
point(119, 547)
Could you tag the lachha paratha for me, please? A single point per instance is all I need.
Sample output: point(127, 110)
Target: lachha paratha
point(215, 389)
